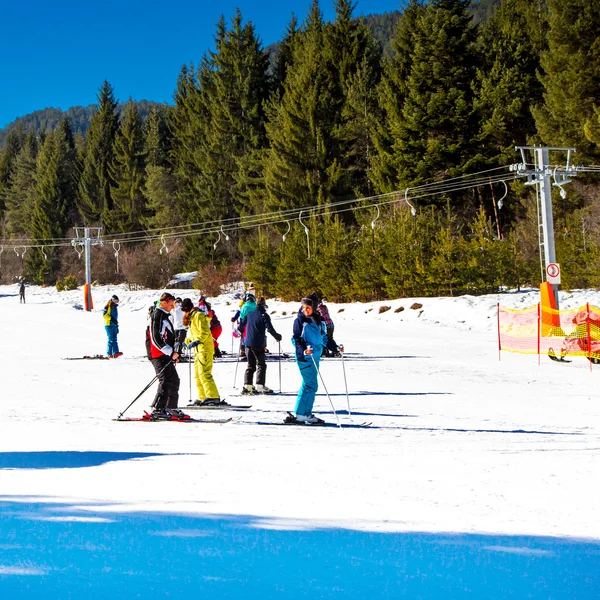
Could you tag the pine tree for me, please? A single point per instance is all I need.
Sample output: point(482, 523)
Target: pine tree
point(295, 272)
point(17, 196)
point(334, 264)
point(222, 106)
point(95, 186)
point(511, 43)
point(438, 113)
point(53, 200)
point(189, 118)
point(434, 135)
point(285, 55)
point(571, 77)
point(392, 93)
point(128, 173)
point(367, 269)
point(160, 189)
point(354, 57)
point(360, 117)
point(404, 251)
point(14, 141)
point(300, 168)
point(262, 264)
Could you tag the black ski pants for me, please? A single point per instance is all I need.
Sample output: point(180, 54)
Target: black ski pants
point(331, 345)
point(167, 395)
point(256, 358)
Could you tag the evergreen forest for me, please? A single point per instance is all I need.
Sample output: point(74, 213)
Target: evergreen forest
point(364, 162)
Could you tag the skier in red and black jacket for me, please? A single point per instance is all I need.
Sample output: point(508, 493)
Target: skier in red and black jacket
point(161, 350)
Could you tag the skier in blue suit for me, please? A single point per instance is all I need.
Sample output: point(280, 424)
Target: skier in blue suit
point(309, 338)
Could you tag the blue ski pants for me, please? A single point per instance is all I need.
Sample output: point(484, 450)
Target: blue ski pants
point(310, 383)
point(112, 347)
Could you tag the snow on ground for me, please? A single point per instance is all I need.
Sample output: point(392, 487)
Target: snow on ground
point(477, 479)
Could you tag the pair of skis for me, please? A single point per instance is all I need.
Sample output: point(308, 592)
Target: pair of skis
point(222, 406)
point(147, 418)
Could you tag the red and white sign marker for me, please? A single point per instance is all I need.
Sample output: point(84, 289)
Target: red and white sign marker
point(553, 273)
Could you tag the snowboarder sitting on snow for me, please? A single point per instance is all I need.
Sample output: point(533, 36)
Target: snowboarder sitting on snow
point(160, 347)
point(309, 338)
point(200, 338)
point(111, 325)
point(254, 327)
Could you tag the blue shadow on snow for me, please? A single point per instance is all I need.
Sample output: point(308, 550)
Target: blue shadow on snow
point(65, 460)
point(57, 551)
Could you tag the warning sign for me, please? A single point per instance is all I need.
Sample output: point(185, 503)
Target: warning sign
point(553, 273)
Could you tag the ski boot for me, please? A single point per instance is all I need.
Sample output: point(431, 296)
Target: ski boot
point(160, 414)
point(213, 402)
point(263, 389)
point(177, 414)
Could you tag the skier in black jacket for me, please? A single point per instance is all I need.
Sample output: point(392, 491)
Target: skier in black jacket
point(254, 327)
point(160, 346)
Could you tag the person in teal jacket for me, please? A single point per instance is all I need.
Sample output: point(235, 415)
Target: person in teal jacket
point(248, 306)
point(309, 338)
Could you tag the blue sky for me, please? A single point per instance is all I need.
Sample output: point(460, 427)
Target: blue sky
point(57, 54)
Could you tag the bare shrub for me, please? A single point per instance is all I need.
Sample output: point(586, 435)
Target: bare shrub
point(146, 266)
point(211, 280)
point(12, 269)
point(416, 306)
point(399, 309)
point(383, 309)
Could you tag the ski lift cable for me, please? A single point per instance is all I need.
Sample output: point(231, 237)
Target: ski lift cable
point(232, 221)
point(426, 190)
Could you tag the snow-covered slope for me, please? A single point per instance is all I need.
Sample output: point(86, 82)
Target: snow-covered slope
point(476, 479)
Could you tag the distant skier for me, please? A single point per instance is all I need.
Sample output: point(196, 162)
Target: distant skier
point(254, 327)
point(160, 348)
point(22, 292)
point(332, 348)
point(309, 338)
point(111, 325)
point(200, 338)
point(180, 330)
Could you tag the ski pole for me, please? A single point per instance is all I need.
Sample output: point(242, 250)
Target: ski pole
point(279, 344)
point(190, 352)
point(237, 362)
point(325, 388)
point(145, 389)
point(341, 350)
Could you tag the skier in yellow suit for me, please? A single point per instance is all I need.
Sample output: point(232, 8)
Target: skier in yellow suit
point(200, 338)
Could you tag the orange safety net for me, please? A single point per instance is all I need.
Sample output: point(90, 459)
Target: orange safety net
point(542, 330)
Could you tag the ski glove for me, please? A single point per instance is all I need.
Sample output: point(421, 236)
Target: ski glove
point(193, 344)
point(278, 337)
